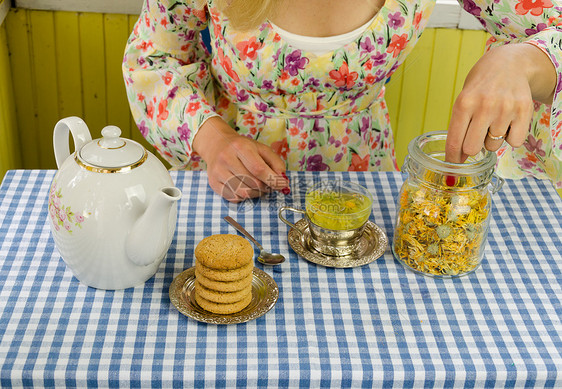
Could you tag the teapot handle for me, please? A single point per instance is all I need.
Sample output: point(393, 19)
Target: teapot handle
point(80, 135)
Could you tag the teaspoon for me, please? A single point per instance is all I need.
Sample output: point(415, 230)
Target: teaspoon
point(265, 257)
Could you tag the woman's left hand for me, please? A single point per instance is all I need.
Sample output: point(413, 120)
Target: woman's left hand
point(496, 102)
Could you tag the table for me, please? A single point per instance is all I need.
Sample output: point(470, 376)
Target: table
point(376, 325)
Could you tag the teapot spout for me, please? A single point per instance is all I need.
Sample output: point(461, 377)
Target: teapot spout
point(151, 235)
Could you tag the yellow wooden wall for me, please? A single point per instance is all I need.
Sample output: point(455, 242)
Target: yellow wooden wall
point(68, 63)
point(9, 144)
point(421, 93)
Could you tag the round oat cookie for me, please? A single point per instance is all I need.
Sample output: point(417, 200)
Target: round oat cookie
point(223, 309)
point(225, 275)
point(221, 297)
point(224, 252)
point(223, 286)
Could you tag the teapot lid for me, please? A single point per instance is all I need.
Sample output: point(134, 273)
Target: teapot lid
point(110, 153)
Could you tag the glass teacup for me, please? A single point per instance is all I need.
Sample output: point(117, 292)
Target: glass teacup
point(336, 213)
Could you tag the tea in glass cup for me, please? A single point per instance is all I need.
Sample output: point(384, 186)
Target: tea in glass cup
point(336, 214)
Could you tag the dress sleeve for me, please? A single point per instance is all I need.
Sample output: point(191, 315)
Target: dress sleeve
point(167, 76)
point(549, 40)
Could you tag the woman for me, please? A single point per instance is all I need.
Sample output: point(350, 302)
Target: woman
point(293, 84)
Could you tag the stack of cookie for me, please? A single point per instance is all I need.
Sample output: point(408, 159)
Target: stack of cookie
point(223, 273)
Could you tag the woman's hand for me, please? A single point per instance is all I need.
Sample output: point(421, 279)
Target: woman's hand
point(238, 167)
point(496, 102)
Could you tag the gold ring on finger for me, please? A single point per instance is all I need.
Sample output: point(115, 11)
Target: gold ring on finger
point(493, 137)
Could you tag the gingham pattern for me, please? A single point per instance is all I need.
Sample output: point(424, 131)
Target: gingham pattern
point(377, 325)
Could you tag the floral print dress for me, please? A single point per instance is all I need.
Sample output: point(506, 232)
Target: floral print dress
point(318, 112)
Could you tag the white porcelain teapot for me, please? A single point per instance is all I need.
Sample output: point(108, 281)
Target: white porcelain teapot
point(112, 207)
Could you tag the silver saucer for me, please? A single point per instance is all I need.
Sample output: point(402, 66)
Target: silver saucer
point(372, 245)
point(264, 296)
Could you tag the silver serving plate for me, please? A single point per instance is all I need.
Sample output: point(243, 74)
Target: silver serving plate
point(371, 246)
point(264, 296)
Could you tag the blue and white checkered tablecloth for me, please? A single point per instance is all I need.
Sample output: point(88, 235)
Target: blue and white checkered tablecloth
point(376, 325)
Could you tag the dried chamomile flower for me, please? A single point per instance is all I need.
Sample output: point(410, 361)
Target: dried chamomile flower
point(443, 231)
point(433, 249)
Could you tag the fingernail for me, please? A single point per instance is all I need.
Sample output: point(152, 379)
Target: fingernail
point(286, 191)
point(450, 180)
point(284, 176)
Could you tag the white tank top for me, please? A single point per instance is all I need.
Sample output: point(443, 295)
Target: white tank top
point(320, 45)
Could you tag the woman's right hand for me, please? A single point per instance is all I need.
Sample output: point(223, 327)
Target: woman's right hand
point(238, 167)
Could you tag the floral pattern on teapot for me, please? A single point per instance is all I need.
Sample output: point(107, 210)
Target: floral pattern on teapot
point(62, 216)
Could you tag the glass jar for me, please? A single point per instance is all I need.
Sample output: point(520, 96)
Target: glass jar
point(443, 211)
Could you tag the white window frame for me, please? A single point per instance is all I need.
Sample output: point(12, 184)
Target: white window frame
point(4, 8)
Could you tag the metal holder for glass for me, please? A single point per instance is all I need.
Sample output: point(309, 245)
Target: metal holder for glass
point(337, 243)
